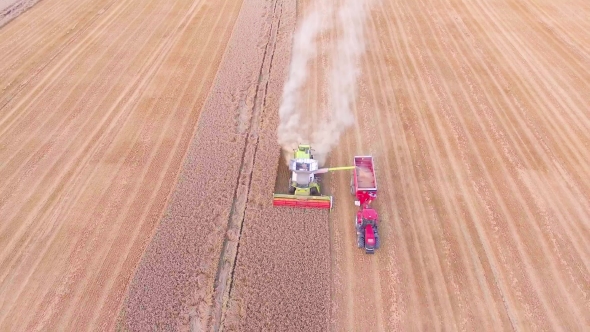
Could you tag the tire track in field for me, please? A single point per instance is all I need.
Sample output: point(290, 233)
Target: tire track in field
point(80, 190)
point(293, 243)
point(524, 159)
point(107, 113)
point(45, 23)
point(47, 137)
point(543, 139)
point(64, 65)
point(462, 124)
point(86, 123)
point(19, 85)
point(223, 13)
point(15, 257)
point(227, 260)
point(499, 235)
point(127, 212)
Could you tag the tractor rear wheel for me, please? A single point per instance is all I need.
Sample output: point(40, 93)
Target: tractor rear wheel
point(361, 241)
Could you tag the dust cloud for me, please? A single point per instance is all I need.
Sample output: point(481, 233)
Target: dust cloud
point(343, 73)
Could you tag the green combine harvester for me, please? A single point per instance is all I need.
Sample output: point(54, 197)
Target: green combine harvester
point(304, 189)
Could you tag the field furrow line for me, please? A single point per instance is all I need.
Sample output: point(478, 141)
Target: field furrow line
point(224, 279)
point(341, 218)
point(43, 10)
point(146, 65)
point(365, 145)
point(507, 148)
point(472, 143)
point(450, 250)
point(177, 141)
point(52, 75)
point(561, 27)
point(394, 129)
point(422, 173)
point(142, 204)
point(534, 21)
point(573, 198)
point(515, 145)
point(541, 139)
point(228, 125)
point(90, 140)
point(49, 29)
point(87, 238)
point(82, 98)
point(425, 302)
point(513, 230)
point(22, 39)
point(486, 249)
point(545, 95)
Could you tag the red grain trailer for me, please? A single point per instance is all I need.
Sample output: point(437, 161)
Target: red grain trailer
point(363, 186)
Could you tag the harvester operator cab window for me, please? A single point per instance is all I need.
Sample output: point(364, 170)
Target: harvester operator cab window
point(301, 166)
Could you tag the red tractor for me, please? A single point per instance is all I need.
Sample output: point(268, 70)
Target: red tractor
point(363, 186)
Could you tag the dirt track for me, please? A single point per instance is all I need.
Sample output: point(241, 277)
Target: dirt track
point(476, 113)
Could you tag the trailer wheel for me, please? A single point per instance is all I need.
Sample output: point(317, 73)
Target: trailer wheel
point(291, 190)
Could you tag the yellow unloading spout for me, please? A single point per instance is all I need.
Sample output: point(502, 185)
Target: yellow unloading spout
point(331, 169)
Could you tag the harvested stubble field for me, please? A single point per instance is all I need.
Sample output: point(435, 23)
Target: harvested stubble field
point(138, 156)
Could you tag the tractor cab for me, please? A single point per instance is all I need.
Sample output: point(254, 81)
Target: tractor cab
point(367, 232)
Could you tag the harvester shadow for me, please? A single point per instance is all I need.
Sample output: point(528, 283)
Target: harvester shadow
point(283, 175)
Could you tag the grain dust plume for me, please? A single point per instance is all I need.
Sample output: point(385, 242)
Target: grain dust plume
point(344, 59)
point(291, 130)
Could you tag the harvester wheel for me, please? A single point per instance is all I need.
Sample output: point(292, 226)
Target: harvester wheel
point(314, 191)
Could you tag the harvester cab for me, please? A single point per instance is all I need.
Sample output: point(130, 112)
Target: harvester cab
point(303, 181)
